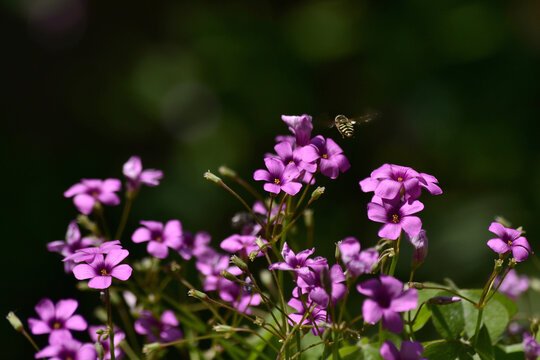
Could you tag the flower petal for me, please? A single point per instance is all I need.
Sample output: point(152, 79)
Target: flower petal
point(408, 300)
point(84, 203)
point(388, 189)
point(499, 246)
point(390, 231)
point(122, 272)
point(157, 249)
point(115, 257)
point(65, 308)
point(389, 351)
point(76, 322)
point(392, 321)
point(498, 229)
point(291, 188)
point(100, 282)
point(376, 212)
point(371, 311)
point(141, 234)
point(262, 175)
point(411, 225)
point(84, 271)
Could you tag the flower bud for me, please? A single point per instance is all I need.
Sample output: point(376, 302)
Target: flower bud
point(308, 218)
point(443, 300)
point(259, 321)
point(316, 194)
point(222, 328)
point(239, 262)
point(99, 349)
point(416, 285)
point(197, 294)
point(211, 177)
point(253, 255)
point(420, 243)
point(88, 224)
point(15, 321)
point(225, 171)
point(227, 275)
point(501, 220)
point(148, 348)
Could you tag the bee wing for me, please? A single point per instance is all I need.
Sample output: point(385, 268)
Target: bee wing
point(370, 116)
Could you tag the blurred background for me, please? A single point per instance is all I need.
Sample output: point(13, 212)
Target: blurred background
point(189, 86)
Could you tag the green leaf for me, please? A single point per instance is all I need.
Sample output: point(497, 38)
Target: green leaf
point(446, 350)
point(422, 318)
point(448, 319)
point(510, 352)
point(348, 353)
point(483, 345)
point(370, 352)
point(496, 314)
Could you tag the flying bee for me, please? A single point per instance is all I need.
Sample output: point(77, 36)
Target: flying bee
point(345, 126)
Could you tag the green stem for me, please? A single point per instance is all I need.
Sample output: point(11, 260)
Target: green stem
point(29, 338)
point(248, 208)
point(125, 214)
point(396, 256)
point(128, 350)
point(477, 328)
point(109, 323)
point(450, 291)
point(101, 216)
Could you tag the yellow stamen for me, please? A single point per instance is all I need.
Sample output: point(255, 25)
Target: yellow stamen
point(159, 239)
point(57, 325)
point(395, 218)
point(277, 181)
point(325, 156)
point(400, 179)
point(104, 272)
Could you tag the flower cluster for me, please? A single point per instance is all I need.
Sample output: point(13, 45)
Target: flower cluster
point(396, 189)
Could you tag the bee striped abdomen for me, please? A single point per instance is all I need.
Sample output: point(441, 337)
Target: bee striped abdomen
point(346, 129)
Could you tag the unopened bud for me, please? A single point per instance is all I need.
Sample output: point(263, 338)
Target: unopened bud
point(197, 294)
point(148, 348)
point(262, 244)
point(521, 230)
point(88, 224)
point(253, 255)
point(420, 243)
point(512, 263)
point(211, 177)
point(308, 218)
point(337, 252)
point(227, 275)
point(443, 300)
point(266, 279)
point(239, 262)
point(15, 321)
point(225, 171)
point(99, 350)
point(222, 328)
point(316, 194)
point(501, 220)
point(259, 321)
point(499, 264)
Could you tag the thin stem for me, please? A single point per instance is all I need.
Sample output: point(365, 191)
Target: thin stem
point(395, 257)
point(248, 208)
point(450, 291)
point(299, 353)
point(284, 231)
point(477, 328)
point(304, 192)
point(128, 350)
point(276, 220)
point(125, 214)
point(280, 291)
point(29, 338)
point(109, 323)
point(267, 227)
point(197, 338)
point(249, 188)
point(344, 302)
point(101, 217)
point(498, 285)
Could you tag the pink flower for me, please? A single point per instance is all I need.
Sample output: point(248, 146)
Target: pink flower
point(136, 176)
point(64, 347)
point(163, 330)
point(159, 237)
point(396, 216)
point(328, 154)
point(103, 269)
point(279, 177)
point(89, 254)
point(57, 319)
point(91, 191)
point(509, 240)
point(409, 351)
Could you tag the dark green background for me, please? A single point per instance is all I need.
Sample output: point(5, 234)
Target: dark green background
point(190, 86)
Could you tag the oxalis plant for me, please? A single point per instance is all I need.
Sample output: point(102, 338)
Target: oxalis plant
point(263, 293)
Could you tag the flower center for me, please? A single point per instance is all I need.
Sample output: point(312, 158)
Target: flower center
point(95, 193)
point(395, 218)
point(509, 242)
point(400, 179)
point(291, 162)
point(298, 266)
point(104, 272)
point(69, 358)
point(57, 325)
point(159, 239)
point(325, 156)
point(277, 181)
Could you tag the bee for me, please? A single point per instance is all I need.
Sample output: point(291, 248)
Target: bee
point(345, 126)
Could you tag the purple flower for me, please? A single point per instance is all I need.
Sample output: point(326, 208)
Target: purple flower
point(390, 181)
point(72, 243)
point(136, 176)
point(322, 285)
point(513, 284)
point(396, 216)
point(386, 299)
point(279, 177)
point(163, 330)
point(57, 319)
point(317, 315)
point(118, 337)
point(89, 254)
point(211, 263)
point(301, 126)
point(357, 262)
point(298, 262)
point(530, 347)
point(509, 239)
point(241, 298)
point(288, 155)
point(159, 237)
point(193, 245)
point(420, 243)
point(241, 244)
point(409, 351)
point(64, 347)
point(91, 191)
point(102, 269)
point(328, 154)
